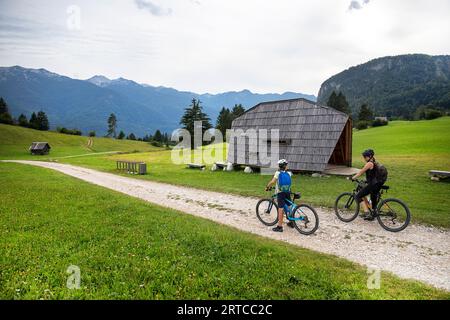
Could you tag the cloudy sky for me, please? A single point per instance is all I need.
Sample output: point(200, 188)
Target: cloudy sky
point(217, 45)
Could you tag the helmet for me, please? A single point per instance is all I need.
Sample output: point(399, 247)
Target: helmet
point(282, 163)
point(369, 153)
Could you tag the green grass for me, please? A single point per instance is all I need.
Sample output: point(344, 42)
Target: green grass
point(129, 249)
point(15, 141)
point(408, 149)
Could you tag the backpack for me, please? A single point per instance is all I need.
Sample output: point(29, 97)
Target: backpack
point(284, 181)
point(381, 173)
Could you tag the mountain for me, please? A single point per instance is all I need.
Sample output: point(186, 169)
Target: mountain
point(86, 104)
point(394, 86)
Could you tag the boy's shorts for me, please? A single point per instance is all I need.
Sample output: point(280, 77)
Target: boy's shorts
point(282, 197)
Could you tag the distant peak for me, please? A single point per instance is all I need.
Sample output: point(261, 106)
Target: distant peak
point(99, 80)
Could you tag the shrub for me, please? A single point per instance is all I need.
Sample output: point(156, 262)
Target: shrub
point(379, 123)
point(431, 114)
point(91, 133)
point(74, 132)
point(361, 125)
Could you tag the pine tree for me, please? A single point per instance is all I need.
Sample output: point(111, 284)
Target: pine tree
point(131, 136)
point(342, 103)
point(42, 121)
point(224, 120)
point(339, 102)
point(33, 121)
point(121, 135)
point(332, 100)
point(5, 116)
point(238, 110)
point(365, 114)
point(112, 125)
point(195, 113)
point(23, 121)
point(158, 137)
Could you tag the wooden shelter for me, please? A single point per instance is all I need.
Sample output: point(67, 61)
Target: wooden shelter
point(311, 137)
point(39, 148)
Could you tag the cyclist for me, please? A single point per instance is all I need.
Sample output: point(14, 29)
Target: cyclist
point(283, 181)
point(373, 186)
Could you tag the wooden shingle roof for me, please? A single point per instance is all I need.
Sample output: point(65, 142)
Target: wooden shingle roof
point(35, 146)
point(312, 130)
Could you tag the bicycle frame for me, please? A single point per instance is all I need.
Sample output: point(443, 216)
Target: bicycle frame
point(366, 201)
point(288, 209)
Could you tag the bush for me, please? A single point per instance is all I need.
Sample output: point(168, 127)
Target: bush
point(379, 123)
point(362, 125)
point(431, 114)
point(156, 144)
point(91, 133)
point(74, 132)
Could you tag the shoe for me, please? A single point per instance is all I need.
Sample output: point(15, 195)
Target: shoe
point(369, 218)
point(290, 224)
point(277, 229)
point(364, 215)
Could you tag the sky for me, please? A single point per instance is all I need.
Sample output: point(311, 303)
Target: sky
point(212, 46)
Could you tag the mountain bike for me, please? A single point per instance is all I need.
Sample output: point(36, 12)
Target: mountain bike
point(303, 216)
point(392, 214)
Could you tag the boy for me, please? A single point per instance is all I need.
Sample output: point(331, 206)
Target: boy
point(282, 179)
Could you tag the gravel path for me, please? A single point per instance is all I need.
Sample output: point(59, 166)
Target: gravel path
point(419, 252)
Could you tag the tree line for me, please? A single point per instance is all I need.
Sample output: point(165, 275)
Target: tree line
point(38, 121)
point(365, 116)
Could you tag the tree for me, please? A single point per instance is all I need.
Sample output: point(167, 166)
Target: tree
point(112, 125)
point(339, 102)
point(23, 121)
point(33, 121)
point(158, 137)
point(42, 121)
point(5, 116)
point(238, 110)
point(131, 136)
point(342, 103)
point(195, 113)
point(121, 135)
point(365, 113)
point(332, 100)
point(92, 133)
point(224, 120)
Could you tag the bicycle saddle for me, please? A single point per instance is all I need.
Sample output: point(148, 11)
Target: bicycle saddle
point(385, 187)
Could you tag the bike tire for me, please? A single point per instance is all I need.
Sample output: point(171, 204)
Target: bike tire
point(336, 208)
point(260, 214)
point(407, 211)
point(316, 223)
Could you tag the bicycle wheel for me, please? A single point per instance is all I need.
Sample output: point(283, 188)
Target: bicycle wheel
point(346, 208)
point(267, 212)
point(393, 215)
point(310, 220)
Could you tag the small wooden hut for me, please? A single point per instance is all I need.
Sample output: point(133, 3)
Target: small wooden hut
point(311, 137)
point(39, 148)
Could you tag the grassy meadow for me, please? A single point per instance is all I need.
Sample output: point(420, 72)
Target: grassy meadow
point(408, 149)
point(15, 141)
point(129, 249)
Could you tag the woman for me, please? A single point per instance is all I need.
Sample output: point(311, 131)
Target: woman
point(373, 185)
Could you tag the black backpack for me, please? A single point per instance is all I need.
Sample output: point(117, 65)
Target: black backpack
point(381, 173)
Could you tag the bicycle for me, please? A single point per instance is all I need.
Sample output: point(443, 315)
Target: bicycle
point(303, 216)
point(392, 214)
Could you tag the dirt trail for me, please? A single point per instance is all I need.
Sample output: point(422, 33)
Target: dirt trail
point(419, 252)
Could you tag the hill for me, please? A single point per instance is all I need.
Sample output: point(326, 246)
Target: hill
point(86, 104)
point(15, 141)
point(394, 86)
